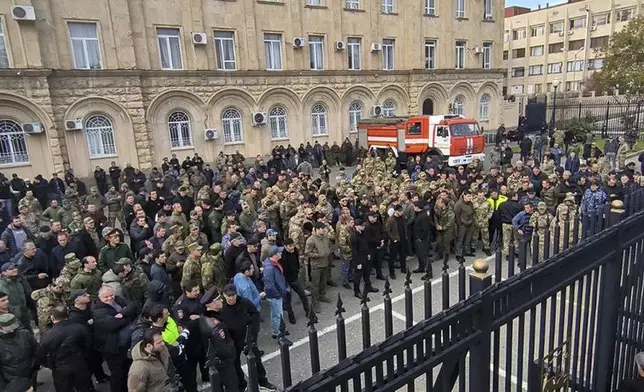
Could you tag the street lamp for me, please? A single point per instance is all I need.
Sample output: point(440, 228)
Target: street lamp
point(555, 85)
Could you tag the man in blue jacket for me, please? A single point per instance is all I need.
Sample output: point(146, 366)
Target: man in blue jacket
point(275, 287)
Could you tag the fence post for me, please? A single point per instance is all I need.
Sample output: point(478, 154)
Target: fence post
point(480, 352)
point(579, 113)
point(609, 296)
point(251, 360)
point(314, 350)
point(285, 356)
point(617, 212)
point(445, 281)
point(606, 118)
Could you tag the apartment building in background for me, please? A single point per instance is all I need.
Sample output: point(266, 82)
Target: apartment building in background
point(84, 83)
point(560, 42)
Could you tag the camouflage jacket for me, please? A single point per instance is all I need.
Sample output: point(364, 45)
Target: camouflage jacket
point(90, 281)
point(191, 271)
point(135, 286)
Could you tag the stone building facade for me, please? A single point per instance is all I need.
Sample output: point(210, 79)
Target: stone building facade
point(130, 74)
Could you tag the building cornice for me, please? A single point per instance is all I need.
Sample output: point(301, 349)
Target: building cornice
point(28, 73)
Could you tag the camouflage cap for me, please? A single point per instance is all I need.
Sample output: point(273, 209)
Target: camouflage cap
point(124, 261)
point(542, 205)
point(70, 257)
point(194, 227)
point(194, 246)
point(176, 228)
point(179, 243)
point(216, 247)
point(569, 197)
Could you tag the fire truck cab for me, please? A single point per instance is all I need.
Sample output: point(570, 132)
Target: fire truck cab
point(450, 137)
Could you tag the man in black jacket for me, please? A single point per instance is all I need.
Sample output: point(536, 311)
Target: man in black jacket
point(112, 318)
point(421, 237)
point(290, 263)
point(18, 347)
point(220, 348)
point(80, 313)
point(361, 260)
point(238, 314)
point(375, 234)
point(506, 212)
point(65, 350)
point(33, 264)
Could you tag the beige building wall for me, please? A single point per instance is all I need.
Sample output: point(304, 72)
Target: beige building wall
point(134, 96)
point(587, 25)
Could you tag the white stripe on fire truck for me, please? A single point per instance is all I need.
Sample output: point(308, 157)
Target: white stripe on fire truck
point(381, 139)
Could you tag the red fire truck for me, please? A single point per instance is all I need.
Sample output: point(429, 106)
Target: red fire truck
point(450, 137)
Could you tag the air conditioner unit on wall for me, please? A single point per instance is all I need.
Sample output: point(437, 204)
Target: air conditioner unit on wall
point(298, 42)
point(199, 38)
point(259, 118)
point(376, 111)
point(32, 128)
point(74, 125)
point(23, 12)
point(561, 34)
point(339, 45)
point(376, 47)
point(210, 134)
point(571, 32)
point(478, 50)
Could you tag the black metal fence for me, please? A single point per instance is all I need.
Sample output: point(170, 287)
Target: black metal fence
point(573, 321)
point(607, 118)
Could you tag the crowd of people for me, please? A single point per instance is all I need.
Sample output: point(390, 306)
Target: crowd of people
point(163, 276)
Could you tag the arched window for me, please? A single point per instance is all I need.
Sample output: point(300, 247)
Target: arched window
point(355, 115)
point(458, 107)
point(277, 120)
point(100, 136)
point(13, 146)
point(180, 130)
point(389, 108)
point(484, 107)
point(232, 124)
point(318, 120)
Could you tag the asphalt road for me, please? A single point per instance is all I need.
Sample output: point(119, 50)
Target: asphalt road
point(326, 327)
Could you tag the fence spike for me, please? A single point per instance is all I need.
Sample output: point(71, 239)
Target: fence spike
point(339, 307)
point(387, 289)
point(408, 278)
point(365, 299)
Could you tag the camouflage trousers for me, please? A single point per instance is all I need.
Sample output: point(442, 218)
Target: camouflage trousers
point(444, 240)
point(542, 245)
point(113, 216)
point(508, 233)
point(482, 231)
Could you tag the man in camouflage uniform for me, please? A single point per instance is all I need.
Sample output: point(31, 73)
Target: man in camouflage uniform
point(70, 269)
point(196, 236)
point(95, 198)
point(176, 234)
point(288, 209)
point(247, 219)
point(114, 207)
point(483, 212)
point(344, 229)
point(66, 214)
point(29, 219)
point(174, 265)
point(540, 220)
point(213, 269)
point(134, 281)
point(46, 300)
point(77, 223)
point(622, 151)
point(390, 163)
point(445, 225)
point(192, 266)
point(548, 195)
point(559, 137)
point(33, 205)
point(89, 278)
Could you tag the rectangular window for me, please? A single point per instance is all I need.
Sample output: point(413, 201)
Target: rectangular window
point(460, 8)
point(313, 2)
point(516, 89)
point(316, 52)
point(388, 54)
point(601, 19)
point(430, 54)
point(599, 42)
point(430, 7)
point(572, 86)
point(536, 51)
point(555, 48)
point(225, 50)
point(576, 45)
point(595, 64)
point(577, 23)
point(387, 6)
point(460, 54)
point(273, 51)
point(487, 9)
point(575, 66)
point(353, 53)
point(352, 4)
point(534, 70)
point(4, 54)
point(554, 68)
point(537, 31)
point(518, 34)
point(505, 55)
point(518, 53)
point(169, 48)
point(487, 55)
point(518, 72)
point(556, 27)
point(538, 88)
point(625, 14)
point(85, 47)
